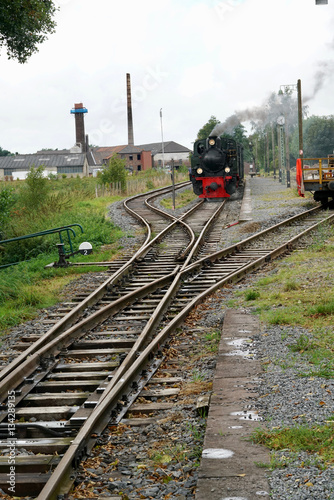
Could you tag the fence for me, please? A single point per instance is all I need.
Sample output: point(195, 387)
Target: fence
point(134, 186)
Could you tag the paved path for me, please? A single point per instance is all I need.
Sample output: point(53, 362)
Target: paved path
point(228, 469)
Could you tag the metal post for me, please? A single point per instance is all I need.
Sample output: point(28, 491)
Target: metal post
point(162, 141)
point(287, 152)
point(281, 155)
point(173, 183)
point(268, 158)
point(300, 119)
point(62, 262)
point(273, 148)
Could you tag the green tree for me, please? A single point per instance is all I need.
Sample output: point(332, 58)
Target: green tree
point(114, 172)
point(24, 24)
point(35, 189)
point(206, 130)
point(318, 136)
point(4, 152)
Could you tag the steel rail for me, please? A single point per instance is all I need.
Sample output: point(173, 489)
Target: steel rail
point(71, 317)
point(125, 374)
point(63, 340)
point(202, 235)
point(116, 386)
point(185, 269)
point(157, 314)
point(22, 367)
point(177, 220)
point(157, 192)
point(18, 366)
point(63, 474)
point(245, 269)
point(236, 247)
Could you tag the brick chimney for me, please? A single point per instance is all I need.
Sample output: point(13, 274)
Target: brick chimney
point(80, 137)
point(130, 125)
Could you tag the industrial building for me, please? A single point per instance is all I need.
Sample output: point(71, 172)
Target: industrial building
point(84, 161)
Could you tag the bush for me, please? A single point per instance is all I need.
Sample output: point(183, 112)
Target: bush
point(114, 172)
point(7, 200)
point(35, 189)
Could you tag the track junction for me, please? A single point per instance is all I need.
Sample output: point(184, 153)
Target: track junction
point(113, 347)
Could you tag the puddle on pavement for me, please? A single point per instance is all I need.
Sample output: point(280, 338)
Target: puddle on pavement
point(239, 343)
point(217, 453)
point(247, 415)
point(235, 498)
point(258, 493)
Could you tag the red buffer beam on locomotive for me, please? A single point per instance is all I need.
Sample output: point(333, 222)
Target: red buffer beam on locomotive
point(217, 167)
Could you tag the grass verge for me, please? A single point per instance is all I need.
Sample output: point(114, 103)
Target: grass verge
point(317, 440)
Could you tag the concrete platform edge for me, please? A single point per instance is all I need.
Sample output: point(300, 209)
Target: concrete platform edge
point(228, 465)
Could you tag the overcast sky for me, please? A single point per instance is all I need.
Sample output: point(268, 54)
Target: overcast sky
point(192, 58)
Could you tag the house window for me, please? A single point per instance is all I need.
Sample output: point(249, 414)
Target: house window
point(138, 157)
point(69, 170)
point(139, 168)
point(130, 157)
point(7, 171)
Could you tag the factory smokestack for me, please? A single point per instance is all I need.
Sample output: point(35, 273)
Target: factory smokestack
point(130, 124)
point(80, 137)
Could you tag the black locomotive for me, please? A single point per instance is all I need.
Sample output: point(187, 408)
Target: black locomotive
point(217, 167)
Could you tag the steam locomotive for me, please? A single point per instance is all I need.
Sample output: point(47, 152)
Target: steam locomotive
point(217, 167)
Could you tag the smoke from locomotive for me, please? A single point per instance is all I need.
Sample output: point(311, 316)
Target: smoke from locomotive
point(217, 167)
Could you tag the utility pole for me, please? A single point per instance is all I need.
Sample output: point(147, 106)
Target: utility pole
point(268, 157)
point(300, 119)
point(287, 152)
point(162, 141)
point(173, 182)
point(281, 158)
point(273, 149)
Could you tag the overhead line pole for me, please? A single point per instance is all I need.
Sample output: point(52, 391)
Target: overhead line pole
point(162, 141)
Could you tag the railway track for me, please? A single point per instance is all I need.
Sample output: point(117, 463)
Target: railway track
point(68, 385)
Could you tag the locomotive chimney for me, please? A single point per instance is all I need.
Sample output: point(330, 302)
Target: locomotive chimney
point(130, 125)
point(80, 137)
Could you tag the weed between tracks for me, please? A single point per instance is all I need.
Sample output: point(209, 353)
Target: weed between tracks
point(181, 199)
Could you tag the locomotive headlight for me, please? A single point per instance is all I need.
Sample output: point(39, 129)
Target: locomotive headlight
point(199, 171)
point(212, 142)
point(227, 170)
